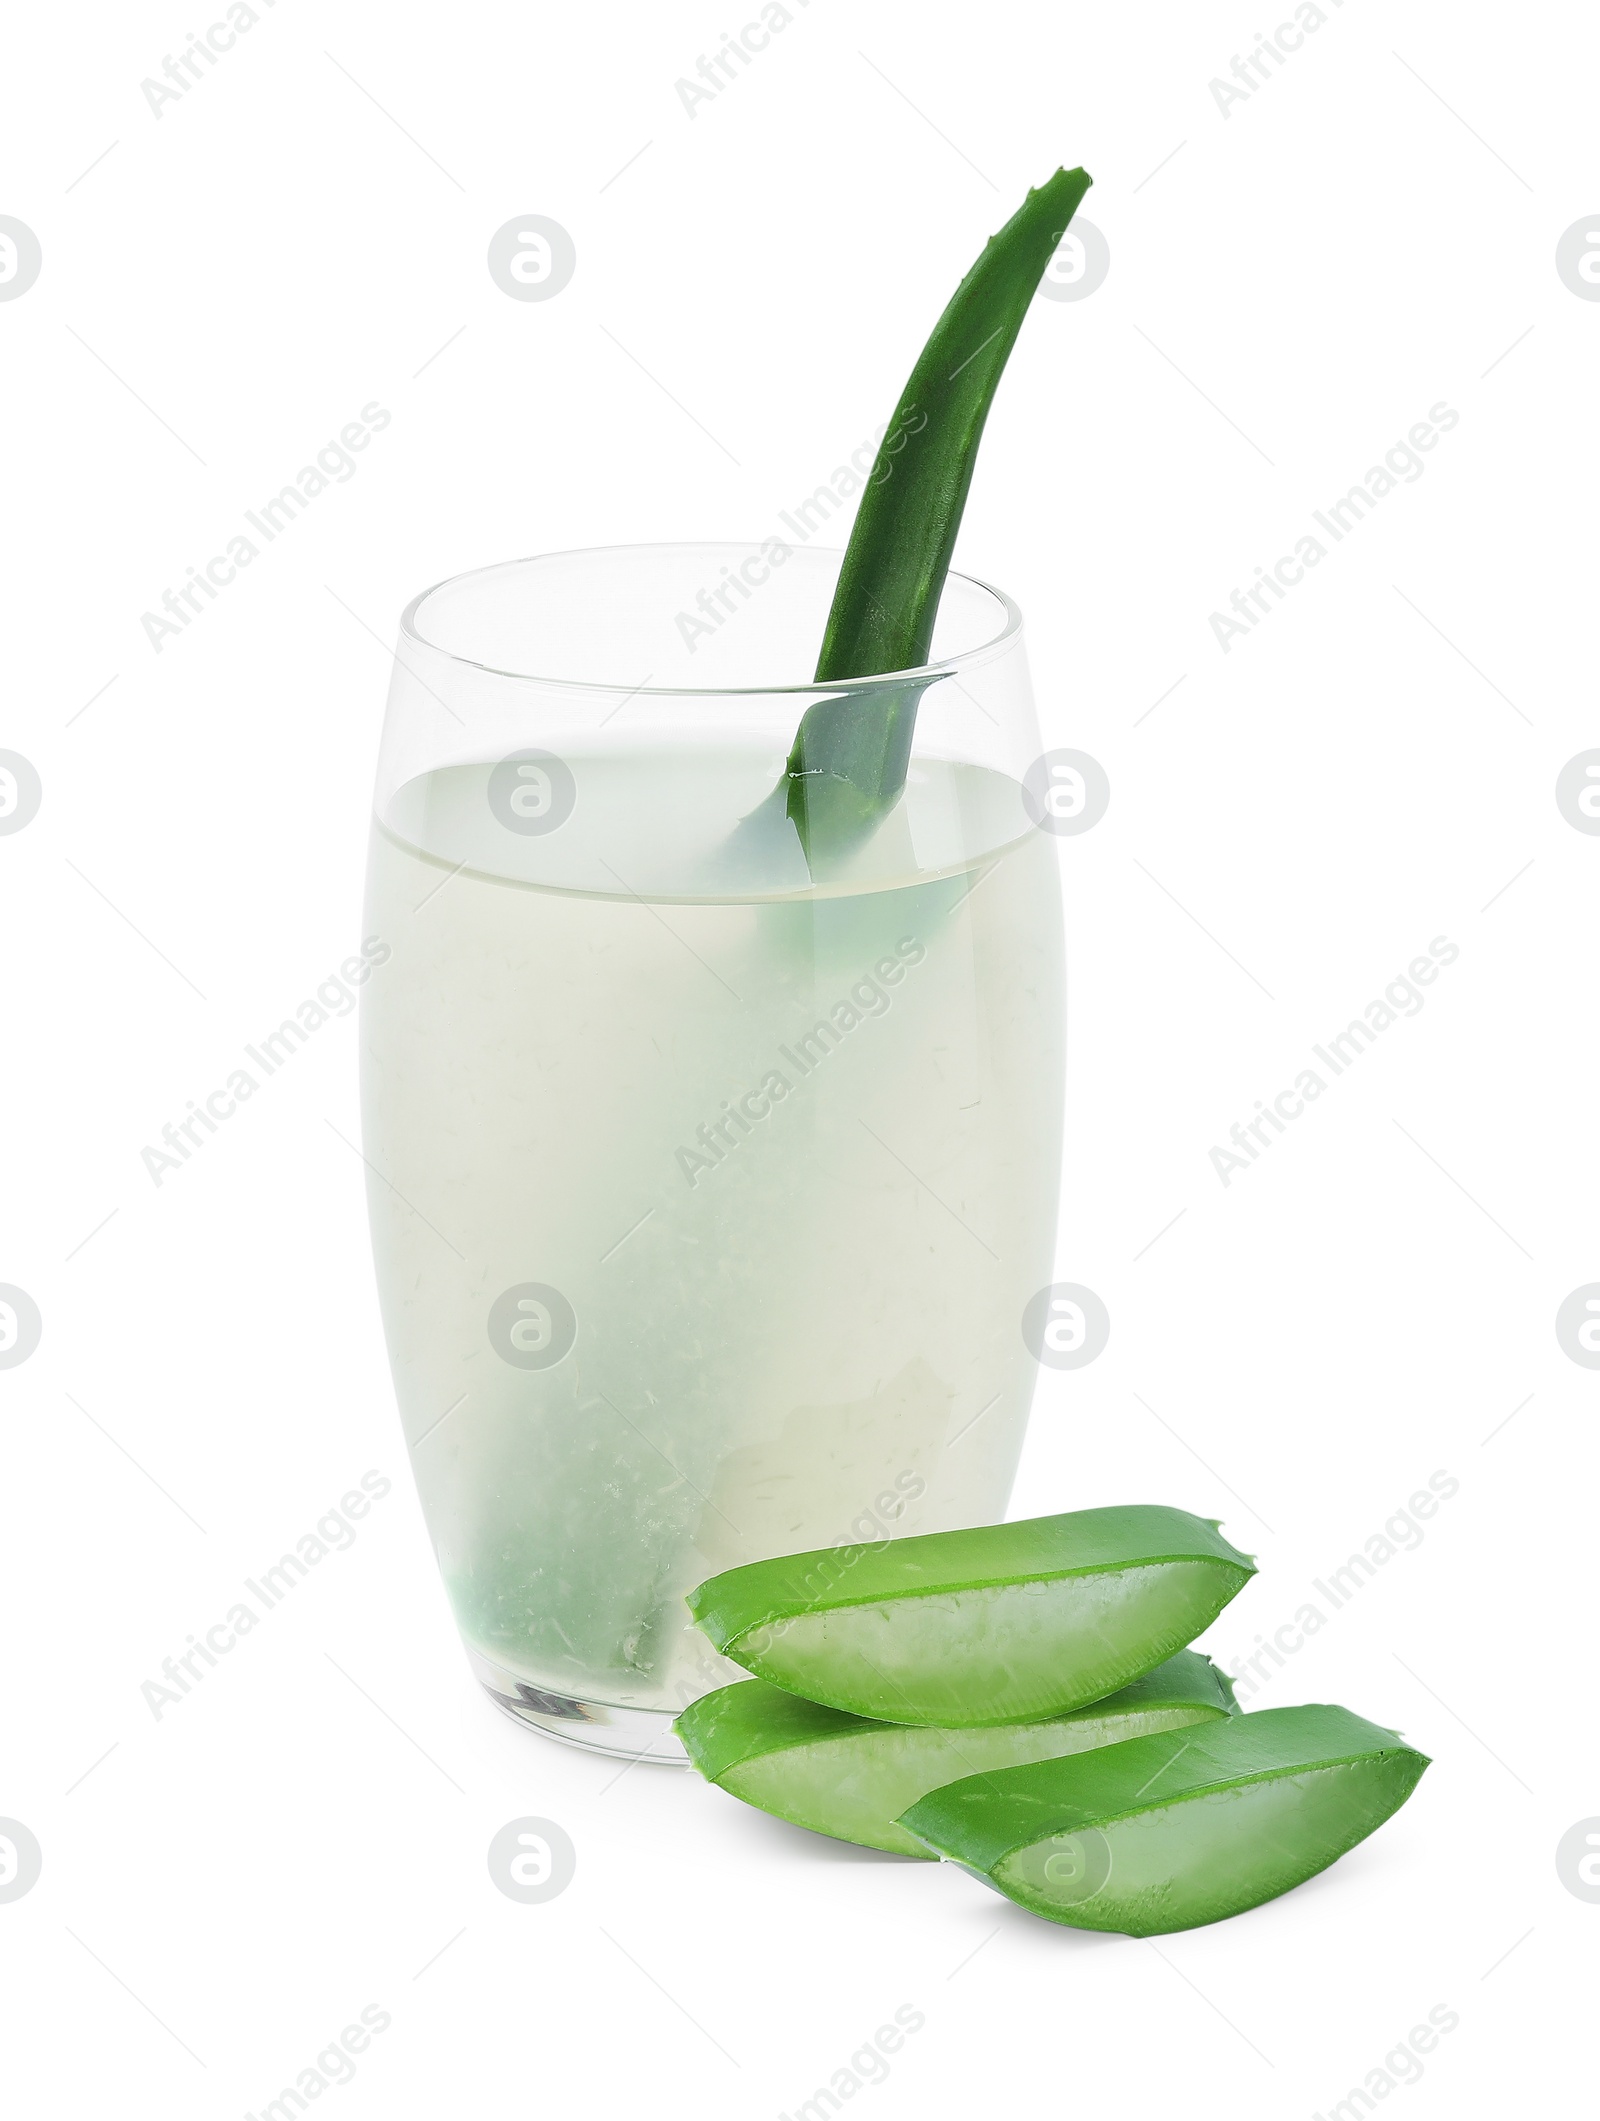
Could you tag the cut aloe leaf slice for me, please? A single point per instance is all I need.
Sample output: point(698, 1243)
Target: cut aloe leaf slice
point(1183, 1828)
point(850, 1777)
point(993, 1625)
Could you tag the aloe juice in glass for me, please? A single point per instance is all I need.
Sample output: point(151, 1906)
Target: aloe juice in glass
point(706, 1191)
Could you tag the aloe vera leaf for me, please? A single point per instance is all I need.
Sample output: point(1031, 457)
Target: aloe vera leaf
point(989, 1625)
point(1176, 1830)
point(848, 763)
point(849, 1777)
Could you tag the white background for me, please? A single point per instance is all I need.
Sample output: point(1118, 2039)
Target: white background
point(1293, 285)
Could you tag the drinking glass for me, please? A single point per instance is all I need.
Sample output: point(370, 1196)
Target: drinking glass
point(706, 1192)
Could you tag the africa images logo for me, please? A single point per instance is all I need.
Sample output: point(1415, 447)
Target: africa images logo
point(868, 997)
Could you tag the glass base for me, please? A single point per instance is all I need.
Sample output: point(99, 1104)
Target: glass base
point(593, 1726)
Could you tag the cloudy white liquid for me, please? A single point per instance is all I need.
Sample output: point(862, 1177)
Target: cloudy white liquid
point(801, 1330)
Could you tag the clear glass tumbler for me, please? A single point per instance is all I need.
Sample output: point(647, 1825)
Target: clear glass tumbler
point(706, 1193)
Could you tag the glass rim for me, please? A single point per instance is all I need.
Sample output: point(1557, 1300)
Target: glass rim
point(945, 666)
